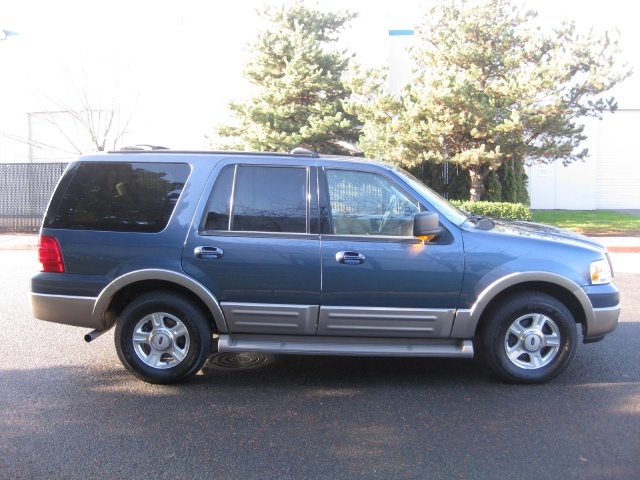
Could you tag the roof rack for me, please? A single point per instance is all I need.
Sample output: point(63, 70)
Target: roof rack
point(297, 152)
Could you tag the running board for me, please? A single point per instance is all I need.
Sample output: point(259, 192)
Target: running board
point(303, 345)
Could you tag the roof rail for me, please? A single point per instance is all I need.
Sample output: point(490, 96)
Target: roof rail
point(144, 147)
point(304, 152)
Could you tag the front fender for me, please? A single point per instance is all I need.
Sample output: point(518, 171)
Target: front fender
point(466, 320)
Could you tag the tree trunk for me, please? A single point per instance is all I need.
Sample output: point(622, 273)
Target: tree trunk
point(476, 172)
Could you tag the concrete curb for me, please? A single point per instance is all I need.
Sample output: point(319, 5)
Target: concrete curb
point(620, 244)
point(623, 249)
point(18, 242)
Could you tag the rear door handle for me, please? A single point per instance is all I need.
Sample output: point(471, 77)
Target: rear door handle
point(208, 252)
point(350, 258)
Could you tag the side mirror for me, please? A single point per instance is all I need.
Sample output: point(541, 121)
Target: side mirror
point(426, 226)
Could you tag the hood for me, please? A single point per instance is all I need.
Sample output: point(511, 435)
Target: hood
point(546, 232)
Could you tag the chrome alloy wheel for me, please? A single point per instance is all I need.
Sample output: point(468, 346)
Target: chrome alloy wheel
point(161, 340)
point(532, 341)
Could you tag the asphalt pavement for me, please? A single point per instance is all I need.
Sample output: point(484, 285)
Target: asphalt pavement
point(70, 410)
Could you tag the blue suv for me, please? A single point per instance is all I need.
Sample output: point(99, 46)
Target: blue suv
point(189, 253)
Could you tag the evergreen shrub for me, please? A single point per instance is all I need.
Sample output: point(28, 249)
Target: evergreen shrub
point(510, 211)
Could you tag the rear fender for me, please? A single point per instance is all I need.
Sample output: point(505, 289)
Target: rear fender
point(99, 315)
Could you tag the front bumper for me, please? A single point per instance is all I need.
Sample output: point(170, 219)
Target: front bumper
point(605, 300)
point(605, 321)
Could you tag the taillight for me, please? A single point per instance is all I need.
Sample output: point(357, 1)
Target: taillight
point(50, 255)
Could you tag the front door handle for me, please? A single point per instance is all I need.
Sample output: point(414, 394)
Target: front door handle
point(207, 252)
point(350, 258)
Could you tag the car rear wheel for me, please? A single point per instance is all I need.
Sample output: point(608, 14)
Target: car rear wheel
point(162, 337)
point(530, 338)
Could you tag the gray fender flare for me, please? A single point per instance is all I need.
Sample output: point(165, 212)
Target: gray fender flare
point(466, 320)
point(103, 300)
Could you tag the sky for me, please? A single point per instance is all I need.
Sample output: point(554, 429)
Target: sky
point(178, 64)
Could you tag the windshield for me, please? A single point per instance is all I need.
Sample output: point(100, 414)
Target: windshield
point(447, 210)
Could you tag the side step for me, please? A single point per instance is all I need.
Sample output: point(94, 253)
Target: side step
point(303, 345)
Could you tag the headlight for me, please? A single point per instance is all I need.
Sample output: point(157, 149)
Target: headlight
point(601, 272)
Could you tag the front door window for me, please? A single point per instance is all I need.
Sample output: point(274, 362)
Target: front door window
point(364, 203)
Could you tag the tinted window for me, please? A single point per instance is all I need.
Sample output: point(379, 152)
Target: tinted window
point(121, 197)
point(220, 203)
point(364, 203)
point(259, 199)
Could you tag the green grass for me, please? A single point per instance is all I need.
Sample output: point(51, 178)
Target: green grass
point(591, 222)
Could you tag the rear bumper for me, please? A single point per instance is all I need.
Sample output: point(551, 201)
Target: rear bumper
point(67, 310)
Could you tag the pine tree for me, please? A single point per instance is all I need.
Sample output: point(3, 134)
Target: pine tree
point(489, 87)
point(299, 90)
point(508, 181)
point(522, 182)
point(492, 190)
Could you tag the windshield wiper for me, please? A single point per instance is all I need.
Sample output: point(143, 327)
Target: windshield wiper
point(475, 218)
point(480, 222)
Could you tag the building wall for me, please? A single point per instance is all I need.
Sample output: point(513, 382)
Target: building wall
point(399, 58)
point(554, 186)
point(618, 151)
point(609, 179)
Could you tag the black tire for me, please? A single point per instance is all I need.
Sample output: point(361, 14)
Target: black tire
point(163, 337)
point(529, 338)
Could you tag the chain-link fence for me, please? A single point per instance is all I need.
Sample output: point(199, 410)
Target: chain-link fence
point(25, 189)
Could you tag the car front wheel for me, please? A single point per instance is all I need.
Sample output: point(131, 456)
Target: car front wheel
point(530, 338)
point(162, 337)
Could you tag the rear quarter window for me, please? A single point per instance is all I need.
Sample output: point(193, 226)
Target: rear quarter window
point(120, 197)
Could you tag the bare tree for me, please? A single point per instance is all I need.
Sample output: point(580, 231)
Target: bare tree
point(102, 125)
point(85, 118)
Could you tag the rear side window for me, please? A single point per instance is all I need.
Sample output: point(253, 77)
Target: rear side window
point(119, 197)
point(259, 199)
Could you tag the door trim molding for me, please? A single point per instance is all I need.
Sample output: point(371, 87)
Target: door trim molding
point(385, 322)
point(269, 318)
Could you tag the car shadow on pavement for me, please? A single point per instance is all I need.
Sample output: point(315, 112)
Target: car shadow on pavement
point(326, 417)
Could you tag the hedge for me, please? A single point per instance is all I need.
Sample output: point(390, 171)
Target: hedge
point(511, 211)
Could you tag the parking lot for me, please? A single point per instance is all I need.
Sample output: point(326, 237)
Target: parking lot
point(70, 410)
